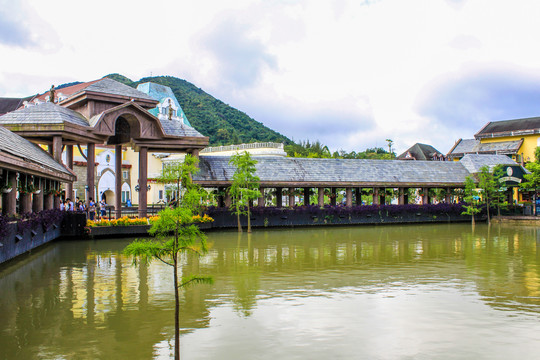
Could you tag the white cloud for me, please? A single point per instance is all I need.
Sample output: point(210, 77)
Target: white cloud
point(348, 73)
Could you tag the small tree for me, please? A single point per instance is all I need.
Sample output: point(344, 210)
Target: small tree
point(499, 198)
point(489, 187)
point(175, 234)
point(244, 187)
point(471, 198)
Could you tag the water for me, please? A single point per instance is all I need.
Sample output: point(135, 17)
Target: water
point(411, 292)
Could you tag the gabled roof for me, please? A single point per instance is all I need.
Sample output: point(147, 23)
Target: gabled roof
point(510, 128)
point(473, 162)
point(419, 152)
point(11, 104)
point(354, 172)
point(21, 148)
point(176, 128)
point(113, 87)
point(46, 113)
point(103, 86)
point(473, 146)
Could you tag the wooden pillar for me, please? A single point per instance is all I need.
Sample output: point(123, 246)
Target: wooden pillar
point(376, 197)
point(348, 192)
point(37, 198)
point(279, 197)
point(306, 196)
point(405, 196)
point(448, 196)
point(57, 148)
point(56, 202)
point(320, 194)
point(48, 199)
point(195, 153)
point(425, 197)
point(143, 181)
point(401, 199)
point(118, 181)
point(220, 197)
point(333, 197)
point(9, 200)
point(260, 200)
point(25, 203)
point(292, 199)
point(69, 164)
point(228, 200)
point(382, 196)
point(90, 171)
point(358, 196)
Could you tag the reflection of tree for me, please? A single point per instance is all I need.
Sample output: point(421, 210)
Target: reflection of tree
point(84, 300)
point(505, 264)
point(245, 277)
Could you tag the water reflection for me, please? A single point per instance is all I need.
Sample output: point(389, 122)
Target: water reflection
point(86, 300)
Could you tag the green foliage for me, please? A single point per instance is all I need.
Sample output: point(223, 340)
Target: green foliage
point(223, 124)
point(471, 198)
point(244, 187)
point(489, 186)
point(532, 180)
point(317, 150)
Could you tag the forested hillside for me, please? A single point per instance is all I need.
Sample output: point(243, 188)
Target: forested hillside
point(222, 123)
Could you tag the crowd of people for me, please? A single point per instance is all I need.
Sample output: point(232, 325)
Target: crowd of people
point(94, 210)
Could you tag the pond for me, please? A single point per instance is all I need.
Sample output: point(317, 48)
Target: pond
point(375, 292)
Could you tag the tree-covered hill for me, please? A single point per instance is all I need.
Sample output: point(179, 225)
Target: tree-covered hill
point(222, 123)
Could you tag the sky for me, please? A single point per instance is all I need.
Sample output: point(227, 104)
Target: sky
point(350, 74)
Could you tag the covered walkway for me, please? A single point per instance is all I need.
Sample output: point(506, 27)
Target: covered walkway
point(374, 177)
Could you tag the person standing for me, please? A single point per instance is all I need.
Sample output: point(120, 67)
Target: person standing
point(103, 205)
point(91, 209)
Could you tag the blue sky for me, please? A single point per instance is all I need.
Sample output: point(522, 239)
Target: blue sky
point(348, 73)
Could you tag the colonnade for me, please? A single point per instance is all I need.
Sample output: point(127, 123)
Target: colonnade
point(34, 193)
point(353, 195)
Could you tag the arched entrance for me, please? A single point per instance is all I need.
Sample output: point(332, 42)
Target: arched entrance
point(108, 196)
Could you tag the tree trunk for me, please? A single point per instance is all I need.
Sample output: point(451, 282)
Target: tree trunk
point(248, 219)
point(488, 217)
point(238, 218)
point(472, 219)
point(176, 311)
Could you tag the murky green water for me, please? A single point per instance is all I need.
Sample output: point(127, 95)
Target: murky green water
point(412, 292)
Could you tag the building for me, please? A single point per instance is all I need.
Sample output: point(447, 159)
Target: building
point(422, 152)
point(104, 120)
point(517, 139)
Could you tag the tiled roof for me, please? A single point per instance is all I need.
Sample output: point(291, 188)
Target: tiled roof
point(527, 125)
point(473, 146)
point(473, 162)
point(104, 85)
point(420, 152)
point(176, 128)
point(15, 145)
point(46, 113)
point(465, 146)
point(507, 147)
point(113, 87)
point(396, 172)
point(10, 104)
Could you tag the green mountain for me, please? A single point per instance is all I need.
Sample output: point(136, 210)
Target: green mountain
point(223, 124)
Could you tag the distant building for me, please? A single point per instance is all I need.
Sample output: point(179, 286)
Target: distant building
point(515, 138)
point(422, 152)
